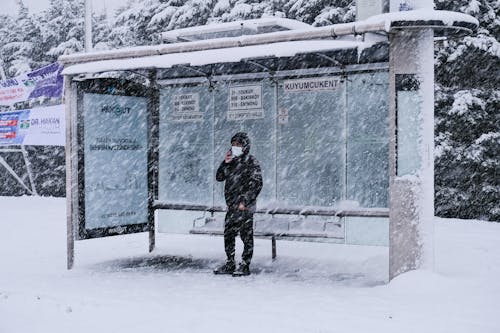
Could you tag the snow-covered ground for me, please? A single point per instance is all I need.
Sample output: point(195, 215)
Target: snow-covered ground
point(116, 286)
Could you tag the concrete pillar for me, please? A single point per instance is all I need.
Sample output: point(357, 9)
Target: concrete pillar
point(412, 145)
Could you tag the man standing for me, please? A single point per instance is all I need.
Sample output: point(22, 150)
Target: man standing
point(243, 183)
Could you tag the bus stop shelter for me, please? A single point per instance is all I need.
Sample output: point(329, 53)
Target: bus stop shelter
point(341, 118)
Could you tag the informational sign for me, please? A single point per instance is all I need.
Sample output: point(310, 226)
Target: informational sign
point(186, 108)
point(44, 82)
point(245, 102)
point(43, 126)
point(312, 84)
point(115, 160)
point(282, 116)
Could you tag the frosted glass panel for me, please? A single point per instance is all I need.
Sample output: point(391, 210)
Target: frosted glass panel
point(367, 139)
point(367, 231)
point(408, 161)
point(186, 140)
point(311, 142)
point(248, 106)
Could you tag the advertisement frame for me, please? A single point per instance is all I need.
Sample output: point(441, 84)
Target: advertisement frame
point(116, 87)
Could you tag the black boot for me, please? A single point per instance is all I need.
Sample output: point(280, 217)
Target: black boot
point(243, 270)
point(227, 268)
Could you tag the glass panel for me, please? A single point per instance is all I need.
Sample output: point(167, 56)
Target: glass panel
point(247, 106)
point(408, 103)
point(115, 154)
point(367, 139)
point(311, 141)
point(367, 231)
point(186, 140)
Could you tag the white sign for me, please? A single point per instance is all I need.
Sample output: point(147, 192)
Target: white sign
point(245, 97)
point(245, 102)
point(186, 108)
point(44, 126)
point(245, 114)
point(312, 84)
point(47, 127)
point(282, 116)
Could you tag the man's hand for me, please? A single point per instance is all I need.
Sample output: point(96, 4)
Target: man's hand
point(228, 157)
point(242, 206)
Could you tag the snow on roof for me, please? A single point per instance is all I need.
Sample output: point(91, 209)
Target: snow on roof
point(215, 56)
point(442, 21)
point(448, 18)
point(249, 26)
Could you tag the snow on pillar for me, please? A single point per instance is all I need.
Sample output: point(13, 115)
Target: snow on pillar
point(412, 145)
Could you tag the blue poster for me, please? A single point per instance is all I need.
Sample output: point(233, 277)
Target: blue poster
point(115, 158)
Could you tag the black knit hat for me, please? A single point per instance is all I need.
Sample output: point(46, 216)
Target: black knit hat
point(243, 139)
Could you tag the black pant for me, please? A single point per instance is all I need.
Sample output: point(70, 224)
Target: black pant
point(242, 222)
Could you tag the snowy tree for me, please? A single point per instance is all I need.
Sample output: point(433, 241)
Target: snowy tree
point(467, 117)
point(20, 53)
point(321, 12)
point(63, 27)
point(132, 23)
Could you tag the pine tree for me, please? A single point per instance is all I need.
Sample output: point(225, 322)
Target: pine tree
point(467, 118)
point(20, 53)
point(321, 12)
point(64, 29)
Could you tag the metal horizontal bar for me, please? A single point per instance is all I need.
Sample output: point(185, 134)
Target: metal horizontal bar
point(304, 211)
point(265, 234)
point(7, 150)
point(383, 66)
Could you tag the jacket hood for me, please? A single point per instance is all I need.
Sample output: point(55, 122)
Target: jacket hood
point(243, 139)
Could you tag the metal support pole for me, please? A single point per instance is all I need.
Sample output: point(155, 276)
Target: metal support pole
point(70, 233)
point(88, 25)
point(153, 130)
point(273, 248)
point(28, 169)
point(14, 174)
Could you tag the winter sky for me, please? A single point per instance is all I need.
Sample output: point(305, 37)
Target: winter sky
point(9, 6)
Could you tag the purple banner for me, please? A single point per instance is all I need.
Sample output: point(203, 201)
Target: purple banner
point(43, 82)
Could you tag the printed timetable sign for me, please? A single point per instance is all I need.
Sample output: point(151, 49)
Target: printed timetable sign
point(186, 108)
point(115, 161)
point(245, 102)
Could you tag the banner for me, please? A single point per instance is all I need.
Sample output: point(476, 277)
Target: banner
point(44, 126)
point(43, 82)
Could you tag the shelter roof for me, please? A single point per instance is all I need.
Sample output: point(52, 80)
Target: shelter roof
point(216, 56)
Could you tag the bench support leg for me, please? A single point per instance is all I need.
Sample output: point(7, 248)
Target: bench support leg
point(273, 247)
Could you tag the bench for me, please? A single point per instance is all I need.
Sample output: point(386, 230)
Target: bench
point(271, 223)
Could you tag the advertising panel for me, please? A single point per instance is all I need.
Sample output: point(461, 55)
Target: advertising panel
point(44, 82)
point(44, 126)
point(115, 161)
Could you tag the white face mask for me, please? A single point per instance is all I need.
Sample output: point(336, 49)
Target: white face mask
point(236, 151)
